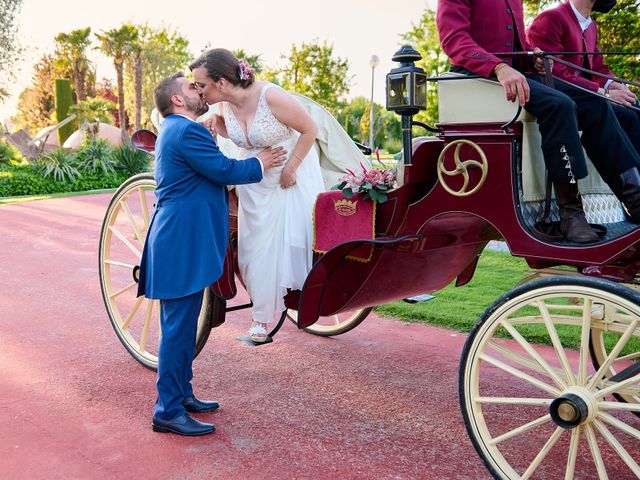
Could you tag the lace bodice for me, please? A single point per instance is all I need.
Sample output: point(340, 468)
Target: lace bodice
point(264, 131)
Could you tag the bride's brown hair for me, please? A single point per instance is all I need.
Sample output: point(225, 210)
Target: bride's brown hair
point(221, 63)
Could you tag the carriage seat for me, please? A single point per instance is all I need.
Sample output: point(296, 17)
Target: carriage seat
point(482, 100)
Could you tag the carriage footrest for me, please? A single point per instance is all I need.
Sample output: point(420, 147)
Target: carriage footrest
point(425, 297)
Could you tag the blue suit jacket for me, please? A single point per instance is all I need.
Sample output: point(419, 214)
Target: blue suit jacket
point(189, 231)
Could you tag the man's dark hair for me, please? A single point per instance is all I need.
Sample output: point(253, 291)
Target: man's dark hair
point(163, 92)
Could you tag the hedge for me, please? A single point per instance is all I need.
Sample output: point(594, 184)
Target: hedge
point(22, 180)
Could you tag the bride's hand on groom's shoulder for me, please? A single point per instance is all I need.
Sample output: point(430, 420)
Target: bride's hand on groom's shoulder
point(215, 124)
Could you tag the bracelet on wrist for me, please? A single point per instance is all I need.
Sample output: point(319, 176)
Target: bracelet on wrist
point(499, 67)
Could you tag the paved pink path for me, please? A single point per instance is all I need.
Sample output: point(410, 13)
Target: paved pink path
point(379, 402)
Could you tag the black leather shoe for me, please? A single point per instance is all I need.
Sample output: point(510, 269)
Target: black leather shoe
point(192, 404)
point(182, 425)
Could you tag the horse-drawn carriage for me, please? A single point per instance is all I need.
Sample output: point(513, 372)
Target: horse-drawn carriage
point(549, 380)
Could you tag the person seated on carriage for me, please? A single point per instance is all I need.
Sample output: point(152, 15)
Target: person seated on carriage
point(569, 27)
point(469, 31)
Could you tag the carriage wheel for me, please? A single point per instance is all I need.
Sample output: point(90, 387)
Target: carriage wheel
point(124, 229)
point(533, 403)
point(334, 324)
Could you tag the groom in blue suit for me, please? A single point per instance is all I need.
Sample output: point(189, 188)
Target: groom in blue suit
point(187, 242)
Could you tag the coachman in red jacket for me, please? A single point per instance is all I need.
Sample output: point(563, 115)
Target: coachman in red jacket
point(471, 31)
point(569, 28)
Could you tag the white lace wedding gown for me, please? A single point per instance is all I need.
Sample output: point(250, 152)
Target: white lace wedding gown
point(275, 229)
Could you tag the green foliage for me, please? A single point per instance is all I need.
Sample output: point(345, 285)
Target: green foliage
point(91, 111)
point(36, 103)
point(95, 157)
point(130, 160)
point(24, 180)
point(9, 47)
point(71, 59)
point(254, 60)
point(162, 53)
point(424, 37)
point(312, 70)
point(64, 100)
point(619, 30)
point(8, 154)
point(57, 165)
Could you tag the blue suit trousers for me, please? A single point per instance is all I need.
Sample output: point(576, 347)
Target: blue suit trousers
point(179, 322)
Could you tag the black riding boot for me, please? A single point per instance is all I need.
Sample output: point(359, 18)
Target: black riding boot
point(626, 187)
point(573, 223)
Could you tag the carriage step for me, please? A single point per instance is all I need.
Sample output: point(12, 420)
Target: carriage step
point(419, 298)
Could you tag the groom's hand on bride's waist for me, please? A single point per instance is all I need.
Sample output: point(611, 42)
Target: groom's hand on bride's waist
point(272, 157)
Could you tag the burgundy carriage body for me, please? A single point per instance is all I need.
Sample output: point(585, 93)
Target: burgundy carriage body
point(426, 237)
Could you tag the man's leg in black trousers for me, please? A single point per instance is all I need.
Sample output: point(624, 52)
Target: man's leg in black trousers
point(556, 115)
point(630, 122)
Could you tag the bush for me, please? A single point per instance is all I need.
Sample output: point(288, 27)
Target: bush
point(58, 165)
point(24, 180)
point(393, 145)
point(8, 153)
point(130, 160)
point(96, 156)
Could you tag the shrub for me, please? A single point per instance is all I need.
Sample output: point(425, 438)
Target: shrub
point(23, 180)
point(58, 165)
point(393, 145)
point(8, 153)
point(130, 160)
point(95, 156)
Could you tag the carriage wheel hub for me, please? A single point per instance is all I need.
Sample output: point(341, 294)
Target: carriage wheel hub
point(573, 408)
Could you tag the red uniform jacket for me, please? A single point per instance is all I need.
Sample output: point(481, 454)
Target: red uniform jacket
point(471, 30)
point(558, 30)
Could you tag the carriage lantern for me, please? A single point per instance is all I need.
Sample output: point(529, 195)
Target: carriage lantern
point(406, 92)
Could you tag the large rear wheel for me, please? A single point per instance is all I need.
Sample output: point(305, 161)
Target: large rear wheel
point(136, 320)
point(533, 403)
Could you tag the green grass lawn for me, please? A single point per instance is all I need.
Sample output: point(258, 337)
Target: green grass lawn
point(460, 308)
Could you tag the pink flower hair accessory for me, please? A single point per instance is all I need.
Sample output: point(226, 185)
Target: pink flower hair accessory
point(245, 70)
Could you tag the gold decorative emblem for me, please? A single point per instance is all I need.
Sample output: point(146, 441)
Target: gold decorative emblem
point(345, 207)
point(462, 168)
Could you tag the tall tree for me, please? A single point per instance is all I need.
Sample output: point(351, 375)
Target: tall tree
point(619, 30)
point(162, 53)
point(423, 36)
point(117, 44)
point(71, 58)
point(9, 47)
point(313, 70)
point(36, 102)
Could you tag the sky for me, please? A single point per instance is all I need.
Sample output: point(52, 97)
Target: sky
point(357, 29)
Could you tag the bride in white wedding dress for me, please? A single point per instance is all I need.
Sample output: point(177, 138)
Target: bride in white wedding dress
point(275, 231)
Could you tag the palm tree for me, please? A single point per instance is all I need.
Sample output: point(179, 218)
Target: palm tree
point(137, 79)
point(117, 43)
point(254, 60)
point(71, 57)
point(90, 112)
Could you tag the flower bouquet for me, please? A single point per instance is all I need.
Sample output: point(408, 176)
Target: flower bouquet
point(370, 184)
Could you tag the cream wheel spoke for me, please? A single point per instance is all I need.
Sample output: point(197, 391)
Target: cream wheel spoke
point(620, 450)
point(119, 264)
point(519, 374)
point(521, 429)
point(617, 386)
point(122, 290)
point(584, 342)
point(543, 453)
point(133, 222)
point(628, 407)
point(145, 328)
point(622, 341)
point(555, 340)
point(611, 420)
point(522, 360)
point(144, 206)
point(540, 402)
point(126, 241)
point(573, 453)
point(127, 321)
point(550, 372)
point(595, 452)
